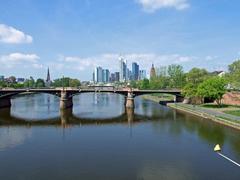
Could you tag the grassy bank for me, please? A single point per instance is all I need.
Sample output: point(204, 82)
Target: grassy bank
point(158, 97)
point(210, 113)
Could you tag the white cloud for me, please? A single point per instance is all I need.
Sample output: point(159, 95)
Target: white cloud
point(153, 5)
point(21, 60)
point(11, 35)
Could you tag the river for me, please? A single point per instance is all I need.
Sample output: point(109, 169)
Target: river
point(99, 139)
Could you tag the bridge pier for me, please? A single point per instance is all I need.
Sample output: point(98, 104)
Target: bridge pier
point(5, 102)
point(178, 98)
point(130, 100)
point(65, 100)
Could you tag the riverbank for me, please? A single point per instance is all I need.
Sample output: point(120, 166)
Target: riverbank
point(159, 98)
point(214, 115)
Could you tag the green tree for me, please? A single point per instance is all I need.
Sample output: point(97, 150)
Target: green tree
point(176, 76)
point(196, 76)
point(193, 78)
point(213, 88)
point(144, 84)
point(234, 74)
point(40, 83)
point(74, 83)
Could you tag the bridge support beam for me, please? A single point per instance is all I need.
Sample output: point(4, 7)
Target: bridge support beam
point(5, 102)
point(65, 100)
point(130, 100)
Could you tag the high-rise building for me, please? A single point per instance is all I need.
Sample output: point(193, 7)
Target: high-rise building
point(117, 76)
point(93, 77)
point(135, 71)
point(152, 72)
point(48, 80)
point(106, 75)
point(98, 74)
point(123, 69)
point(1, 78)
point(142, 74)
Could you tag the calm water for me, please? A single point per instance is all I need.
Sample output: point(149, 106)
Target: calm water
point(98, 139)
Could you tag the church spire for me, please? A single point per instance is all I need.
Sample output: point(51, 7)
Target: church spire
point(48, 76)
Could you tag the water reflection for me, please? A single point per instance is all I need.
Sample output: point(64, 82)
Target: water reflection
point(11, 137)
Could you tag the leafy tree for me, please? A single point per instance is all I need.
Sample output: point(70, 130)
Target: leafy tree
point(144, 84)
point(74, 83)
point(193, 78)
point(12, 79)
point(196, 76)
point(176, 76)
point(234, 74)
point(66, 82)
point(29, 83)
point(134, 84)
point(40, 83)
point(213, 88)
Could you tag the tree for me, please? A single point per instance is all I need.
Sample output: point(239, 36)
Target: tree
point(144, 84)
point(74, 83)
point(193, 78)
point(234, 74)
point(176, 76)
point(196, 76)
point(66, 82)
point(213, 88)
point(40, 83)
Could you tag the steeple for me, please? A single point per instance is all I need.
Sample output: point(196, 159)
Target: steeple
point(152, 72)
point(48, 80)
point(48, 76)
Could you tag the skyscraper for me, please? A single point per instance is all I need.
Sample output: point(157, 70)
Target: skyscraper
point(98, 74)
point(152, 72)
point(142, 74)
point(123, 69)
point(135, 71)
point(106, 75)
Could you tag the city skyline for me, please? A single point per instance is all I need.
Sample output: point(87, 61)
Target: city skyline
point(124, 73)
point(71, 38)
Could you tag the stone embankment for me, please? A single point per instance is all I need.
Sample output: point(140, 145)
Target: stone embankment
point(219, 117)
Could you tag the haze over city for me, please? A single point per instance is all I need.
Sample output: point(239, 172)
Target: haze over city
point(73, 37)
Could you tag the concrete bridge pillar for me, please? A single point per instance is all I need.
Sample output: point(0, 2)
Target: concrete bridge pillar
point(130, 100)
point(5, 102)
point(65, 100)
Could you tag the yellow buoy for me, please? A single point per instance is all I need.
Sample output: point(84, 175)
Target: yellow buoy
point(217, 148)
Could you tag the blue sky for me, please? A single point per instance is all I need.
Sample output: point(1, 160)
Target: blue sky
point(72, 36)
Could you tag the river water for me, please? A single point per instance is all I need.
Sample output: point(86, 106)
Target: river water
point(99, 139)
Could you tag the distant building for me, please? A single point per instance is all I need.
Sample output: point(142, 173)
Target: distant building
point(48, 80)
point(20, 80)
point(98, 74)
point(123, 69)
point(135, 71)
point(1, 78)
point(142, 74)
point(117, 76)
point(152, 72)
point(93, 77)
point(106, 75)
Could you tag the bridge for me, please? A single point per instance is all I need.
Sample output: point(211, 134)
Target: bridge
point(66, 95)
